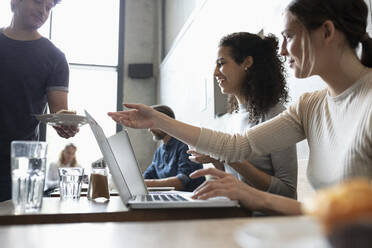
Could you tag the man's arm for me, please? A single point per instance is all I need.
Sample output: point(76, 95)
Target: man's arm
point(152, 179)
point(185, 168)
point(165, 182)
point(57, 100)
point(150, 173)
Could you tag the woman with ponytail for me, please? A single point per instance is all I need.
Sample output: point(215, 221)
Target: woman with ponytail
point(320, 38)
point(249, 69)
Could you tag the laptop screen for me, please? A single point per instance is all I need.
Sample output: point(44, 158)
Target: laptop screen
point(122, 149)
point(110, 159)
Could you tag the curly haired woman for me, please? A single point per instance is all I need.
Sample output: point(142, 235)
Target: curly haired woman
point(249, 70)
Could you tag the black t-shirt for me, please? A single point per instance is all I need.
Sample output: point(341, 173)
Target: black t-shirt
point(28, 70)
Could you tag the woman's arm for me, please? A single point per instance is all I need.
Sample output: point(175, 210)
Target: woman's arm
point(248, 171)
point(204, 159)
point(284, 180)
point(284, 163)
point(141, 116)
point(265, 138)
point(253, 175)
point(165, 182)
point(227, 185)
point(276, 134)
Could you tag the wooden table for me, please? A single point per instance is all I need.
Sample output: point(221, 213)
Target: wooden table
point(83, 210)
point(195, 233)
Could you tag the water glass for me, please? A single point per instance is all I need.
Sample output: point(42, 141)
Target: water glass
point(28, 163)
point(70, 181)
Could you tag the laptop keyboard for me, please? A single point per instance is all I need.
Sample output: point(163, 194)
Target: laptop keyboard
point(162, 197)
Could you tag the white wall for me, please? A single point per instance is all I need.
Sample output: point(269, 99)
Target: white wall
point(186, 81)
point(176, 13)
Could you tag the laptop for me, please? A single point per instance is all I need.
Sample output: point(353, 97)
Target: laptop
point(120, 158)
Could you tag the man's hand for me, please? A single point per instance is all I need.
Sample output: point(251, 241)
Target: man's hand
point(66, 131)
point(57, 101)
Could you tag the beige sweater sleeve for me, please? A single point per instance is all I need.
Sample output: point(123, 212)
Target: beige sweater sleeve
point(276, 134)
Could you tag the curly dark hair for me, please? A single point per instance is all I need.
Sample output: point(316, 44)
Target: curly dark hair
point(265, 84)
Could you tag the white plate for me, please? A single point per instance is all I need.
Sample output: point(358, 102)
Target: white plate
point(289, 232)
point(62, 119)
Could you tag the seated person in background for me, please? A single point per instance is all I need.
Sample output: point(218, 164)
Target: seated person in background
point(170, 165)
point(67, 158)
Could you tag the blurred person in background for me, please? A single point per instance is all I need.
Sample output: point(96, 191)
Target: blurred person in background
point(67, 158)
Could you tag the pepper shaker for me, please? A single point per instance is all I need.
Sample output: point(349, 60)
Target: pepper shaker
point(98, 183)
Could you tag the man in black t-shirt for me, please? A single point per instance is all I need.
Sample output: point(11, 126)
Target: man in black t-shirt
point(33, 72)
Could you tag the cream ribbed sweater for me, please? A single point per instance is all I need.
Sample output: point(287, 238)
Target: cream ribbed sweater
point(338, 130)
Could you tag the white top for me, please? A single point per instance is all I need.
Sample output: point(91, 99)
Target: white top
point(338, 130)
point(281, 165)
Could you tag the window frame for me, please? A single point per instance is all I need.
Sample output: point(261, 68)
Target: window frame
point(119, 68)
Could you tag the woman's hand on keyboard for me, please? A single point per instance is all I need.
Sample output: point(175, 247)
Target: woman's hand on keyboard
point(225, 184)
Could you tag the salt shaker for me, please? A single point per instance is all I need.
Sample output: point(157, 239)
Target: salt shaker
point(98, 183)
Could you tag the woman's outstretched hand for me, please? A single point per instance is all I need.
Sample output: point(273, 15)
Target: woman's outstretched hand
point(138, 116)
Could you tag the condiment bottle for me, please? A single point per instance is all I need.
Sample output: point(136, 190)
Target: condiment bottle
point(98, 183)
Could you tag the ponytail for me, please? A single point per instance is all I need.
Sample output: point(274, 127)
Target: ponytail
point(366, 58)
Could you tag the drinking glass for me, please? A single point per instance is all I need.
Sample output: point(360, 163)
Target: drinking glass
point(70, 181)
point(28, 162)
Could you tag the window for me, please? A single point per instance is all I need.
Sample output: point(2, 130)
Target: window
point(5, 13)
point(89, 33)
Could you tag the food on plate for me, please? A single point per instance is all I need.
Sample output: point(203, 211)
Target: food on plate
point(65, 111)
